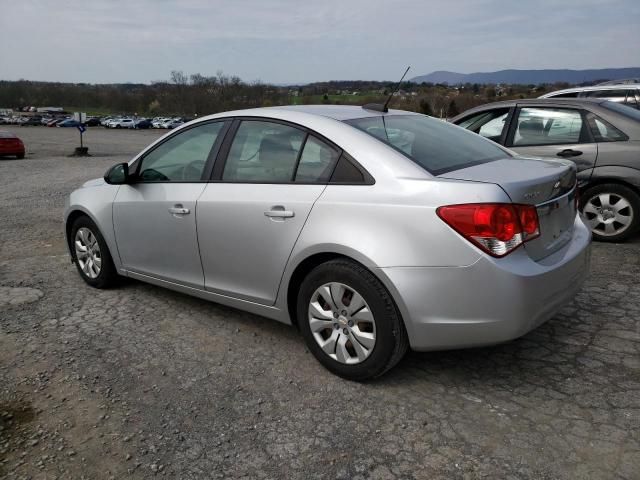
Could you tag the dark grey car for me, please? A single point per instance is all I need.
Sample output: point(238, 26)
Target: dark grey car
point(600, 136)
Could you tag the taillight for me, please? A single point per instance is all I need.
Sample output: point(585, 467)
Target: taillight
point(497, 228)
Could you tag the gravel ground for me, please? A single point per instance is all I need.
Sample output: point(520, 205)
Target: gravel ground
point(139, 382)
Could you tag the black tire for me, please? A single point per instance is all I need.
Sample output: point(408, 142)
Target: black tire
point(108, 275)
point(391, 342)
point(20, 156)
point(616, 191)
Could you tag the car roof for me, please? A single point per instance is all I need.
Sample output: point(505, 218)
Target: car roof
point(336, 112)
point(533, 101)
point(595, 88)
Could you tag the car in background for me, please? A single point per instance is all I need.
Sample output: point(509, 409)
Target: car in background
point(54, 122)
point(370, 230)
point(173, 123)
point(69, 122)
point(628, 94)
point(10, 144)
point(32, 121)
point(159, 122)
point(601, 137)
point(143, 123)
point(121, 123)
point(92, 122)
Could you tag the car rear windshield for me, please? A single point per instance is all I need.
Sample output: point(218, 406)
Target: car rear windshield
point(435, 145)
point(623, 110)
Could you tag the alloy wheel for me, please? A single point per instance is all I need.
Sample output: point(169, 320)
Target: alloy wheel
point(342, 323)
point(88, 252)
point(608, 214)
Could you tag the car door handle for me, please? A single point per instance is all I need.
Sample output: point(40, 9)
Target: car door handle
point(178, 209)
point(569, 153)
point(279, 212)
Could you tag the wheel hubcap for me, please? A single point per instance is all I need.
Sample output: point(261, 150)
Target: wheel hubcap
point(608, 214)
point(342, 323)
point(88, 252)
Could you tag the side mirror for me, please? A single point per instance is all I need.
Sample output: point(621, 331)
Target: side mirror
point(118, 174)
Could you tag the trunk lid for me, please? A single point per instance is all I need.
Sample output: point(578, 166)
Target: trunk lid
point(547, 184)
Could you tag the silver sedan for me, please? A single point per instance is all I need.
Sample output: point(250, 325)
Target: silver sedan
point(371, 231)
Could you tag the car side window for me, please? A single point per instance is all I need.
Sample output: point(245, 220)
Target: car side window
point(181, 158)
point(488, 124)
point(317, 161)
point(632, 101)
point(263, 152)
point(549, 126)
point(603, 131)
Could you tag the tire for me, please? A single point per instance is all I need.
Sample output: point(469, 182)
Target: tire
point(612, 211)
point(390, 341)
point(20, 156)
point(107, 275)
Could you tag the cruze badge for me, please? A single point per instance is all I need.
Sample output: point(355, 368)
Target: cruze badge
point(531, 194)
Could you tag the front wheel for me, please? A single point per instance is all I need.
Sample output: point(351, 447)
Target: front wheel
point(612, 211)
point(349, 321)
point(91, 254)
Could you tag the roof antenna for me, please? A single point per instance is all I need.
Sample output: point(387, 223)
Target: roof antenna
point(384, 108)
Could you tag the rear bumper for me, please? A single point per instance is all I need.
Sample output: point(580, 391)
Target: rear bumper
point(491, 301)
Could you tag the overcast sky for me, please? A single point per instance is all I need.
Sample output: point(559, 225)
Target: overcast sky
point(291, 41)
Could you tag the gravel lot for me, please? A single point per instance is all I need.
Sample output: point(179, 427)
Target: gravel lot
point(139, 382)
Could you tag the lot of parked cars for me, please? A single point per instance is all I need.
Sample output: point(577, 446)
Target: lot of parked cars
point(116, 122)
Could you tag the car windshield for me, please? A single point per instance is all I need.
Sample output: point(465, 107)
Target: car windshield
point(623, 110)
point(435, 145)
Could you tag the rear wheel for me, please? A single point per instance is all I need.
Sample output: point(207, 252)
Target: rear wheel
point(612, 211)
point(91, 254)
point(349, 321)
point(20, 156)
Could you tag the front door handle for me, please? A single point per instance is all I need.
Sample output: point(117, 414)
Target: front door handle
point(279, 211)
point(178, 209)
point(569, 153)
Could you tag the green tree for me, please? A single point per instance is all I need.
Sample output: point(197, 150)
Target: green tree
point(425, 107)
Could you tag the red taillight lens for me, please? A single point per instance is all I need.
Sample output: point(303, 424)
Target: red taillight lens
point(497, 228)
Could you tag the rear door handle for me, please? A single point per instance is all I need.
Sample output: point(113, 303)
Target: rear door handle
point(178, 209)
point(569, 153)
point(278, 211)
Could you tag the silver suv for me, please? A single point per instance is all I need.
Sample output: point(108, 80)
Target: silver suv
point(372, 231)
point(627, 94)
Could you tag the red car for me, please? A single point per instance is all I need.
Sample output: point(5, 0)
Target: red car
point(10, 145)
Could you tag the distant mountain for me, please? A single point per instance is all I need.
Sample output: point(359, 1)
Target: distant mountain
point(527, 77)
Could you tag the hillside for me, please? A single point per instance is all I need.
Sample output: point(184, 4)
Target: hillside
point(526, 77)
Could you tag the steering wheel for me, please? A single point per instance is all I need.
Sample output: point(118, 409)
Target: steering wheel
point(192, 170)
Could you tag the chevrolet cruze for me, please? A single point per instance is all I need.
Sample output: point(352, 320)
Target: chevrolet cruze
point(372, 231)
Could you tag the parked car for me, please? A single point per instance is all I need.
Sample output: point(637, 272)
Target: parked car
point(143, 123)
point(121, 123)
point(370, 231)
point(173, 123)
point(56, 121)
point(93, 122)
point(10, 144)
point(157, 123)
point(628, 94)
point(32, 121)
point(69, 122)
point(601, 137)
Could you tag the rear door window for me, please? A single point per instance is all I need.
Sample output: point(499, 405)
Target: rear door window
point(435, 145)
point(549, 126)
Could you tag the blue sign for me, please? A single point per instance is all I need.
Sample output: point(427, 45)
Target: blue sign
point(82, 128)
